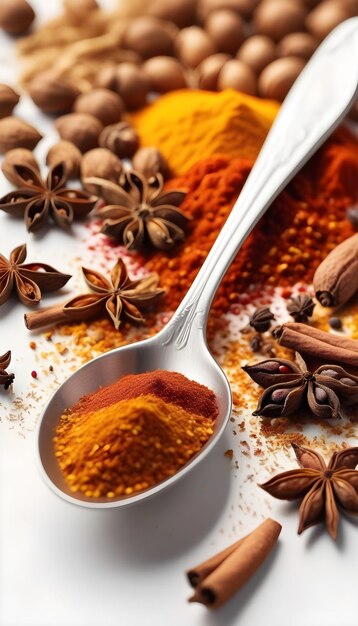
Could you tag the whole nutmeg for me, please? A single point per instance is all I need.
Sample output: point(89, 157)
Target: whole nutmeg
point(326, 16)
point(16, 16)
point(121, 139)
point(165, 74)
point(193, 45)
point(277, 18)
point(52, 94)
point(277, 78)
point(81, 129)
point(149, 161)
point(149, 36)
point(66, 152)
point(181, 12)
point(104, 104)
point(17, 156)
point(244, 8)
point(101, 163)
point(209, 70)
point(226, 30)
point(297, 45)
point(14, 133)
point(8, 100)
point(236, 75)
point(257, 52)
point(129, 81)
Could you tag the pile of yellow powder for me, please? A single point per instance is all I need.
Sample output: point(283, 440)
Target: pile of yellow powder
point(190, 125)
point(128, 446)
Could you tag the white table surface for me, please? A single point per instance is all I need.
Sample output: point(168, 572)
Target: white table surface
point(61, 565)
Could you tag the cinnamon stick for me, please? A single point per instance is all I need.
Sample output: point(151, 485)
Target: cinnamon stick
point(318, 343)
point(341, 341)
point(217, 579)
point(45, 317)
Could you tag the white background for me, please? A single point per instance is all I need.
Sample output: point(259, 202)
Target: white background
point(61, 565)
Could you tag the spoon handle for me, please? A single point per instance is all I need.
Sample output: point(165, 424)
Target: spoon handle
point(315, 105)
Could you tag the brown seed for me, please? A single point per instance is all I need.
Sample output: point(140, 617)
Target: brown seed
point(8, 100)
point(257, 52)
point(297, 45)
point(149, 36)
point(129, 81)
point(66, 152)
point(81, 129)
point(226, 30)
point(331, 373)
point(150, 161)
point(193, 45)
point(244, 8)
point(236, 75)
point(165, 74)
point(348, 381)
point(52, 94)
point(16, 16)
point(121, 139)
point(14, 133)
point(279, 395)
point(326, 16)
point(320, 394)
point(181, 12)
point(21, 156)
point(276, 79)
point(277, 18)
point(104, 104)
point(101, 163)
point(209, 70)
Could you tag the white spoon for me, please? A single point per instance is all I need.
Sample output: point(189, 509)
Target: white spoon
point(317, 102)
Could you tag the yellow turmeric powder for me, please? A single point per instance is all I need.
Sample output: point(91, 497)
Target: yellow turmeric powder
point(190, 125)
point(128, 446)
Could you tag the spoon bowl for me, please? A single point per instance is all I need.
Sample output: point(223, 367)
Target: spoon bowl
point(140, 357)
point(317, 102)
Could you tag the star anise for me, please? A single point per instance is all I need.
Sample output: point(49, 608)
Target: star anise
point(29, 279)
point(119, 296)
point(290, 386)
point(261, 319)
point(6, 379)
point(301, 308)
point(139, 212)
point(36, 200)
point(322, 487)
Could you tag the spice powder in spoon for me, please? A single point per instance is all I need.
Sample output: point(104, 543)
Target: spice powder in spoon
point(133, 434)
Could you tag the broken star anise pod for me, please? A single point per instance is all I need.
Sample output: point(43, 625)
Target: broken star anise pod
point(289, 386)
point(119, 296)
point(29, 279)
point(139, 212)
point(6, 379)
point(261, 319)
point(36, 200)
point(322, 488)
point(301, 308)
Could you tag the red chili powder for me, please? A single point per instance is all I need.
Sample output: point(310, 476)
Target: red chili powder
point(169, 386)
point(302, 226)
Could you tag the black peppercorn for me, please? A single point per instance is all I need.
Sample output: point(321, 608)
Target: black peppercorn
point(335, 323)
